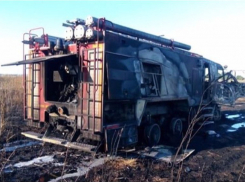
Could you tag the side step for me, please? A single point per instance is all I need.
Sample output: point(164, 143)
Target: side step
point(62, 142)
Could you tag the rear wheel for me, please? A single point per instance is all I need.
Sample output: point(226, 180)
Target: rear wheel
point(152, 134)
point(176, 126)
point(176, 131)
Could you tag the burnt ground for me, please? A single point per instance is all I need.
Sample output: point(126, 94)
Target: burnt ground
point(218, 156)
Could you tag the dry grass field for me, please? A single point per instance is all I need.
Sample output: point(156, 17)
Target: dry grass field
point(218, 157)
point(11, 106)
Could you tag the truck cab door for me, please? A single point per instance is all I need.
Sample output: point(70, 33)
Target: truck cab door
point(226, 89)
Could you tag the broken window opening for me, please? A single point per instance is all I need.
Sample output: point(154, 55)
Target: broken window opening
point(206, 89)
point(61, 80)
point(220, 74)
point(151, 79)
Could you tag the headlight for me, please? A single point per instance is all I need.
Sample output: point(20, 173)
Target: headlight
point(92, 34)
point(69, 33)
point(80, 32)
point(90, 21)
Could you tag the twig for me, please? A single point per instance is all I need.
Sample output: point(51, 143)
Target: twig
point(241, 173)
point(202, 171)
point(7, 161)
point(62, 173)
point(112, 143)
point(12, 136)
point(41, 152)
point(189, 132)
point(120, 134)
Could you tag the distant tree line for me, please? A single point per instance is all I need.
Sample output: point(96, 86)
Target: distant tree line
point(239, 77)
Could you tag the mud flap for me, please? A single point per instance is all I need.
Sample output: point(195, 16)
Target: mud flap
point(61, 142)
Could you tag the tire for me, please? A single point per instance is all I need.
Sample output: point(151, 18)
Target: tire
point(176, 132)
point(176, 126)
point(152, 134)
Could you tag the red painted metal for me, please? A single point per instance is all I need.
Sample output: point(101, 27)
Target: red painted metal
point(114, 126)
point(35, 70)
point(85, 62)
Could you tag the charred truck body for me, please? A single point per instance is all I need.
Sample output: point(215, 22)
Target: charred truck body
point(108, 86)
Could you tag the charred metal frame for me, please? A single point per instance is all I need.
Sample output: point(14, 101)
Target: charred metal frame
point(119, 61)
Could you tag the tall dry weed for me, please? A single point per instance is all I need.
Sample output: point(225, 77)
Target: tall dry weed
point(11, 103)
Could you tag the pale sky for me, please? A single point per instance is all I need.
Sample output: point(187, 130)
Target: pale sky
point(215, 30)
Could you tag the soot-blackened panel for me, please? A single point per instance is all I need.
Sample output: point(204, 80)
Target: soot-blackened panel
point(123, 78)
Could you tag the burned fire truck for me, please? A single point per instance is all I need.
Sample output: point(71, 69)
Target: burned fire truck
point(109, 86)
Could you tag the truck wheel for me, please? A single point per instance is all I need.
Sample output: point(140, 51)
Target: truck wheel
point(176, 130)
point(152, 134)
point(176, 126)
